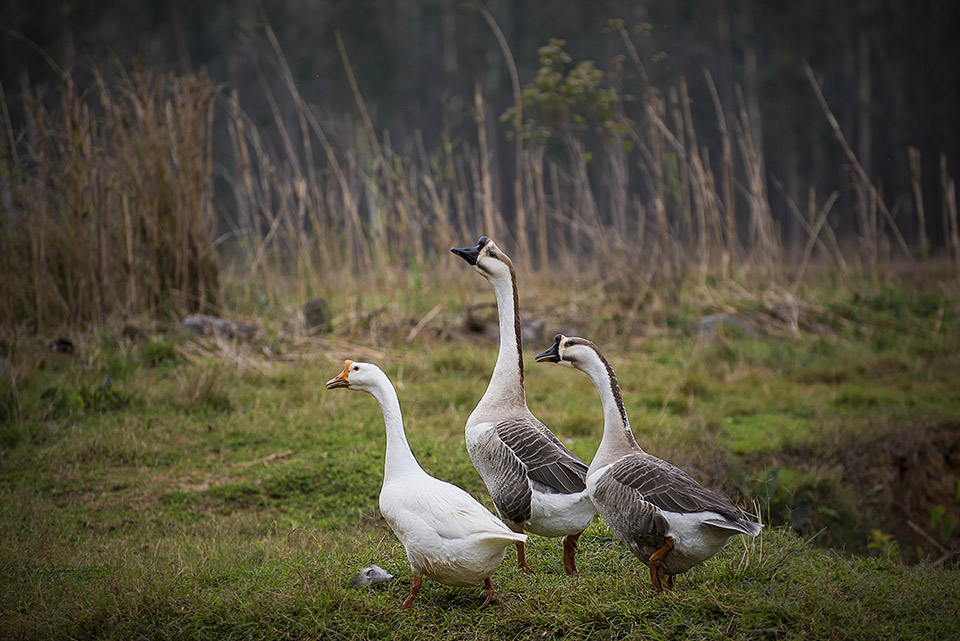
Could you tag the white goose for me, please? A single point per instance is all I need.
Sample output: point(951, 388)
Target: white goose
point(666, 518)
point(448, 535)
point(537, 484)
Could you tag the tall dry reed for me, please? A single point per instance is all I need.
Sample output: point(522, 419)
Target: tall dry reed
point(108, 202)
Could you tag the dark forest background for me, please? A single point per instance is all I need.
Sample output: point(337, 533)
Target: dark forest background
point(623, 138)
point(888, 68)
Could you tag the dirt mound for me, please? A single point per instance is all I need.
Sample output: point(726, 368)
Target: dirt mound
point(905, 484)
point(902, 479)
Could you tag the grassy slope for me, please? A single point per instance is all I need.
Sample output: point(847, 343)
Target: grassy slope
point(136, 510)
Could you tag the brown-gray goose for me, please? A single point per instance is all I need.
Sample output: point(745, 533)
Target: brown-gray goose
point(536, 483)
point(667, 519)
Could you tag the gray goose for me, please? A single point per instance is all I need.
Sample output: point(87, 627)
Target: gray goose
point(536, 483)
point(667, 519)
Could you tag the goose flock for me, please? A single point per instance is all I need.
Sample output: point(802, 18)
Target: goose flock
point(664, 517)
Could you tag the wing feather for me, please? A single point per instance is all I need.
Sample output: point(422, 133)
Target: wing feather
point(448, 510)
point(668, 487)
point(546, 459)
point(505, 476)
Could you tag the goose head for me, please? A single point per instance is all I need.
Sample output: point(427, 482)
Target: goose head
point(364, 377)
point(570, 351)
point(486, 258)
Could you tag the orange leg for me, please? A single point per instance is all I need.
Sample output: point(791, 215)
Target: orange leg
point(664, 578)
point(414, 588)
point(522, 558)
point(570, 553)
point(658, 571)
point(488, 584)
point(655, 578)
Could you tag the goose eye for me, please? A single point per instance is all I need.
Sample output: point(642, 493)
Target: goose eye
point(356, 368)
point(492, 254)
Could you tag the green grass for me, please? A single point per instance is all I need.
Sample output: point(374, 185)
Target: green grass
point(181, 499)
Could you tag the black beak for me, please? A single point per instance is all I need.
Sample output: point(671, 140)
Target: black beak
point(551, 355)
point(470, 254)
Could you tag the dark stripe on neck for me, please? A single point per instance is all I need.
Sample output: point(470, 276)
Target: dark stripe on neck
point(516, 322)
point(614, 386)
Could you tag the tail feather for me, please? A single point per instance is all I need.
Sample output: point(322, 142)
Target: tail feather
point(517, 537)
point(740, 525)
point(504, 535)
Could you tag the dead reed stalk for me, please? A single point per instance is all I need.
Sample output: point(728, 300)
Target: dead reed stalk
point(817, 222)
point(523, 245)
point(949, 206)
point(726, 164)
point(829, 246)
point(871, 194)
point(765, 253)
point(486, 197)
point(916, 186)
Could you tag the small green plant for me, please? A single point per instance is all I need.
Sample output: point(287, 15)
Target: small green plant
point(63, 400)
point(9, 400)
point(159, 352)
point(565, 101)
point(884, 545)
point(945, 523)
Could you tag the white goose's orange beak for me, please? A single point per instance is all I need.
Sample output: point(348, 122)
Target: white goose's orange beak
point(341, 379)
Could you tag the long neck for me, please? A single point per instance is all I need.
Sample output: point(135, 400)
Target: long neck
point(506, 385)
point(617, 438)
point(399, 459)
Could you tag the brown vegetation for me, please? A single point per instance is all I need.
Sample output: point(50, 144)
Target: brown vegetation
point(108, 201)
point(110, 204)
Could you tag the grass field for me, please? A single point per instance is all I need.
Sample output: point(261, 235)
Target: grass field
point(150, 488)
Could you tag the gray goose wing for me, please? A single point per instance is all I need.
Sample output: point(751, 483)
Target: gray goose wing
point(548, 462)
point(666, 486)
point(505, 477)
point(520, 454)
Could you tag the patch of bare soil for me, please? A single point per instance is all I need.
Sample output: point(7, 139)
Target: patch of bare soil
point(903, 478)
point(897, 482)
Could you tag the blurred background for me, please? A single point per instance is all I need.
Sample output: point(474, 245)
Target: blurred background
point(172, 156)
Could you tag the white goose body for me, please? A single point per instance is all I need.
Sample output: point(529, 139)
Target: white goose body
point(536, 483)
point(667, 519)
point(448, 535)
